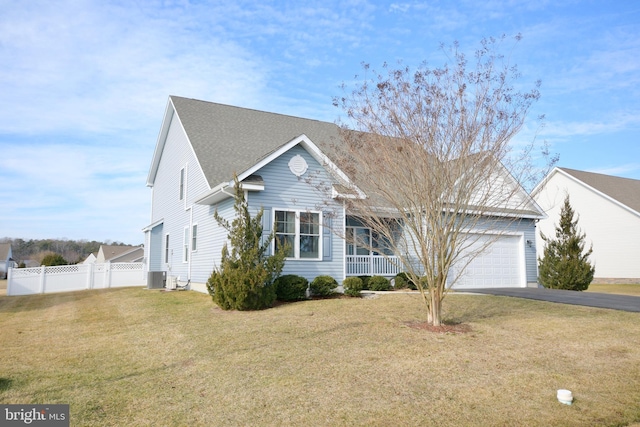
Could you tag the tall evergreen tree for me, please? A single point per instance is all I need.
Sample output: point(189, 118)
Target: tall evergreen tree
point(245, 278)
point(565, 264)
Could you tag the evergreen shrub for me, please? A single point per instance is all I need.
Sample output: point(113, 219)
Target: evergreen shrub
point(245, 279)
point(365, 282)
point(323, 286)
point(405, 282)
point(352, 286)
point(565, 264)
point(379, 283)
point(291, 287)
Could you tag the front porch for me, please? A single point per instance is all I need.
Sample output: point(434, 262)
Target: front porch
point(372, 265)
point(367, 253)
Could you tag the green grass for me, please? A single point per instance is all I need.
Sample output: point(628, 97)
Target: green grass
point(136, 357)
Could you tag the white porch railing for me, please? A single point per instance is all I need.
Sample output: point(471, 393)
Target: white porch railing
point(372, 265)
point(63, 278)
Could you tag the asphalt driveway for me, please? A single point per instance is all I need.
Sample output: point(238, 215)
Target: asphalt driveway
point(589, 299)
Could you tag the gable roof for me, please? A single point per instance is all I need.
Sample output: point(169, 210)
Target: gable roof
point(625, 191)
point(228, 140)
point(120, 253)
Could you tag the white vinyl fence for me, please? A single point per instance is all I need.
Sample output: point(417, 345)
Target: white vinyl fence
point(65, 278)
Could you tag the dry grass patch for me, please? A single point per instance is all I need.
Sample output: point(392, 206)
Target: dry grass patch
point(631, 289)
point(136, 357)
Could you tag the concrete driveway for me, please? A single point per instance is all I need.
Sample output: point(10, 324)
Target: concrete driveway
point(589, 299)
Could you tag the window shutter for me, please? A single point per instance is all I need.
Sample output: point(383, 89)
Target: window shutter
point(326, 237)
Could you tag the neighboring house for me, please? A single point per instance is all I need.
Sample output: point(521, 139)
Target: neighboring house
point(6, 262)
point(277, 158)
point(91, 259)
point(608, 209)
point(111, 253)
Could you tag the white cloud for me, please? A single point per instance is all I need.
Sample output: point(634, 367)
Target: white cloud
point(618, 170)
point(99, 67)
point(613, 122)
point(399, 7)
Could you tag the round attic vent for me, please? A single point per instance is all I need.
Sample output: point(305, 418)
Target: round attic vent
point(298, 165)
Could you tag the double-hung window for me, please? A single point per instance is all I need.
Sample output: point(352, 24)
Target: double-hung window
point(299, 232)
point(182, 179)
point(166, 249)
point(185, 245)
point(194, 238)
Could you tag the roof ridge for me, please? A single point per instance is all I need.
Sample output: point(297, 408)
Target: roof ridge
point(252, 109)
point(597, 173)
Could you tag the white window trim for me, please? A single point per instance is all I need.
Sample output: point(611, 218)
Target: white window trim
point(167, 258)
point(194, 237)
point(181, 184)
point(296, 249)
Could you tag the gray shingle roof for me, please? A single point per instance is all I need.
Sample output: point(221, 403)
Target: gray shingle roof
point(229, 140)
point(624, 190)
point(112, 252)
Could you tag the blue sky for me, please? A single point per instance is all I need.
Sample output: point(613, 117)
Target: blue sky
point(85, 84)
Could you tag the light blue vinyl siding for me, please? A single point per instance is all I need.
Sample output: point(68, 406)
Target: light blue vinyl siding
point(211, 239)
point(528, 227)
point(178, 214)
point(285, 191)
point(156, 252)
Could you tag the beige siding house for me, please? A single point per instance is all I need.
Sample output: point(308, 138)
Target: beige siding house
point(609, 215)
point(115, 253)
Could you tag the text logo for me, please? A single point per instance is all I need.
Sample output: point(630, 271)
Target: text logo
point(34, 415)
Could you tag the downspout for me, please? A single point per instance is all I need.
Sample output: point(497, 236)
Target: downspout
point(344, 240)
point(189, 248)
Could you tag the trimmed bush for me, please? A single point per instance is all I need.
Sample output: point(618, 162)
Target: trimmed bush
point(403, 279)
point(323, 286)
point(236, 288)
point(400, 282)
point(291, 287)
point(379, 283)
point(352, 286)
point(365, 282)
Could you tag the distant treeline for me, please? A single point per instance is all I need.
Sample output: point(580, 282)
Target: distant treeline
point(73, 251)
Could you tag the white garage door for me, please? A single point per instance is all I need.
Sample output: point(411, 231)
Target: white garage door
point(501, 265)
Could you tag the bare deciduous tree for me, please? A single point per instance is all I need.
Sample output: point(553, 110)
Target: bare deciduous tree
point(432, 151)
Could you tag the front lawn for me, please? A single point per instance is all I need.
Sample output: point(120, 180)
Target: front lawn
point(135, 357)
